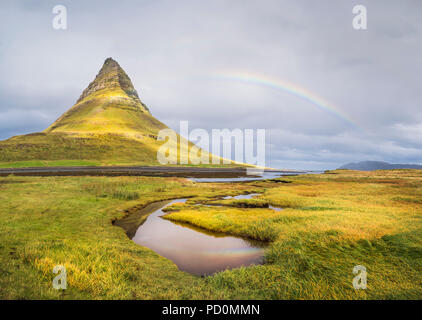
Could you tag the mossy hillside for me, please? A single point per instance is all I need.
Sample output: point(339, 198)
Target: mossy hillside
point(69, 150)
point(108, 111)
point(109, 124)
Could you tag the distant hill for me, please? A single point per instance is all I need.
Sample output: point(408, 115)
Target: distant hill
point(109, 124)
point(378, 165)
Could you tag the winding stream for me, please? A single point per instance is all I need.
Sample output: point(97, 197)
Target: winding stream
point(196, 250)
point(192, 249)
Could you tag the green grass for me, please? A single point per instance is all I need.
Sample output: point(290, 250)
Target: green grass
point(330, 224)
point(58, 163)
point(67, 149)
point(62, 149)
point(109, 110)
point(241, 203)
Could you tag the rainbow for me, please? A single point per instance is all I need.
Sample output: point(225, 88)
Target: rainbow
point(288, 87)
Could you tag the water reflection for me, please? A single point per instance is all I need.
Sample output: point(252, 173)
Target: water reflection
point(265, 175)
point(195, 250)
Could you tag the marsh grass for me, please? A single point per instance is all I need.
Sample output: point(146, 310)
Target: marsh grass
point(330, 223)
point(241, 203)
point(116, 190)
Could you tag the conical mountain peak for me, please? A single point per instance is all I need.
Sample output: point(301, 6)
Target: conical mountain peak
point(112, 77)
point(111, 63)
point(110, 104)
point(108, 123)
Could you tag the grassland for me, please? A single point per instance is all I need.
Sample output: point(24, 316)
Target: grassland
point(62, 149)
point(329, 224)
point(102, 149)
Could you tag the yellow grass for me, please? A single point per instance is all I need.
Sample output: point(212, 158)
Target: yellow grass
point(330, 223)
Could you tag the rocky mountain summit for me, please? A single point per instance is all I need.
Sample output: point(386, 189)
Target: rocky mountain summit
point(110, 104)
point(112, 76)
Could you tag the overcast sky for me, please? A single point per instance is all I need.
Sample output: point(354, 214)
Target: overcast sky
point(184, 58)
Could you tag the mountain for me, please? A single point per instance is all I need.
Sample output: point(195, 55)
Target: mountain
point(110, 104)
point(378, 165)
point(109, 124)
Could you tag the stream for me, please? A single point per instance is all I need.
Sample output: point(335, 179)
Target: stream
point(196, 250)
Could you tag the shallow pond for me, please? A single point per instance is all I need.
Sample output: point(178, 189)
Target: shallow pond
point(196, 250)
point(265, 175)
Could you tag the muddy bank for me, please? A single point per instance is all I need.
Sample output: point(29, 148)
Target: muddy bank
point(136, 216)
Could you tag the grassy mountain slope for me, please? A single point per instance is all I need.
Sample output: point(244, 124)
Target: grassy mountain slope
point(110, 104)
